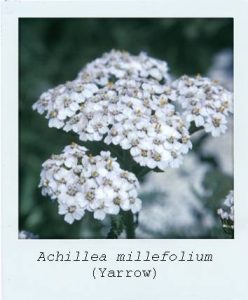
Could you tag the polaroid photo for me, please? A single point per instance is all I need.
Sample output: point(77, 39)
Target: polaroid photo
point(123, 150)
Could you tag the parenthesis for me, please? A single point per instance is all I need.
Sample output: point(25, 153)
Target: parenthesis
point(154, 272)
point(94, 273)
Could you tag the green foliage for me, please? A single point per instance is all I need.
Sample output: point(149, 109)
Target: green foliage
point(53, 50)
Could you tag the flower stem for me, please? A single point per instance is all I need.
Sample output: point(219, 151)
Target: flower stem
point(128, 221)
point(116, 227)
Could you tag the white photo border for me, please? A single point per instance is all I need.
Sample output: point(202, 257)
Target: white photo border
point(224, 278)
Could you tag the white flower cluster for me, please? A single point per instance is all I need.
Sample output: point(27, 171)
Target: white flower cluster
point(136, 109)
point(204, 102)
point(136, 114)
point(227, 212)
point(23, 235)
point(145, 122)
point(82, 182)
point(121, 65)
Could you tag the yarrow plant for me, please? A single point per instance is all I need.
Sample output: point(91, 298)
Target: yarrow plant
point(226, 213)
point(127, 109)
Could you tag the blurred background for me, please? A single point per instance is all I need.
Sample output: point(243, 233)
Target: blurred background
point(179, 203)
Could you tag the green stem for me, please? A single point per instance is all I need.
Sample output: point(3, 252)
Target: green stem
point(116, 227)
point(128, 221)
point(136, 223)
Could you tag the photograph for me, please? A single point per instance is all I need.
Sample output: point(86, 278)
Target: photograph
point(126, 128)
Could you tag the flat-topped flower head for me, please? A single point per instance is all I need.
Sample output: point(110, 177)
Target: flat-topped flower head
point(134, 114)
point(138, 109)
point(116, 65)
point(146, 124)
point(226, 213)
point(64, 102)
point(81, 182)
point(204, 102)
